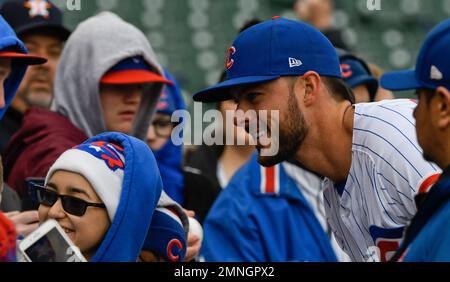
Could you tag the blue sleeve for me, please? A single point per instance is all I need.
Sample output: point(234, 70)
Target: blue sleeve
point(230, 233)
point(441, 236)
point(442, 253)
point(433, 242)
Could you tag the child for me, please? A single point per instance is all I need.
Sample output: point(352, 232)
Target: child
point(103, 193)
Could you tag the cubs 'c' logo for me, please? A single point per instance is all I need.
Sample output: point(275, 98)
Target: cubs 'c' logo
point(174, 254)
point(346, 71)
point(230, 61)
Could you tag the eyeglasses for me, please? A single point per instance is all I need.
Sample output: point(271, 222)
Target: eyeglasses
point(163, 128)
point(71, 205)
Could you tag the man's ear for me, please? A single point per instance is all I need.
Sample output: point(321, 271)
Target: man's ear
point(311, 86)
point(443, 107)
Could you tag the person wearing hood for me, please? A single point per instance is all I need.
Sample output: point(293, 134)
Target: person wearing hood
point(103, 193)
point(180, 184)
point(168, 155)
point(108, 80)
point(14, 61)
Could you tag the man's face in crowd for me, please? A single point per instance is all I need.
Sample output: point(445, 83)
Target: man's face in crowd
point(276, 95)
point(36, 88)
point(120, 104)
point(5, 71)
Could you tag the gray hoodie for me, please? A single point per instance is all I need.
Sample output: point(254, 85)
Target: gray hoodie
point(98, 44)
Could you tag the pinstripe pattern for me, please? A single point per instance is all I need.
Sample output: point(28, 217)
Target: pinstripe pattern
point(387, 171)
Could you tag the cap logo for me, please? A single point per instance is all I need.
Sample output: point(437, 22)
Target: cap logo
point(38, 8)
point(294, 62)
point(346, 71)
point(436, 74)
point(109, 153)
point(230, 61)
point(173, 249)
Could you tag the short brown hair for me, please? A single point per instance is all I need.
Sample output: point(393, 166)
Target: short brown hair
point(338, 88)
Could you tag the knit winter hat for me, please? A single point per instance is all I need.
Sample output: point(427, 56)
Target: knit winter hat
point(102, 164)
point(167, 236)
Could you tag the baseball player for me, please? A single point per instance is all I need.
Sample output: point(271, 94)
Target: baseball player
point(428, 236)
point(368, 153)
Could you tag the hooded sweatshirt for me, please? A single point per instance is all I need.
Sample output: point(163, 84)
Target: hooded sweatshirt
point(10, 42)
point(97, 45)
point(139, 196)
point(170, 156)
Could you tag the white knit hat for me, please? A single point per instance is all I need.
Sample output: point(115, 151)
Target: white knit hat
point(102, 164)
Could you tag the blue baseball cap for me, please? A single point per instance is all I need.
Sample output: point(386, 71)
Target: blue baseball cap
point(166, 104)
point(432, 67)
point(166, 236)
point(355, 72)
point(270, 50)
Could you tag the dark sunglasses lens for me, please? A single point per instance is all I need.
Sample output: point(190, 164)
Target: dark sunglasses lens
point(46, 197)
point(74, 206)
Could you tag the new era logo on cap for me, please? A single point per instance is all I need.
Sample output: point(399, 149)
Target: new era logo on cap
point(436, 74)
point(294, 63)
point(270, 50)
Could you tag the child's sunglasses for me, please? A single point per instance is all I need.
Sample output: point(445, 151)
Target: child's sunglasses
point(71, 205)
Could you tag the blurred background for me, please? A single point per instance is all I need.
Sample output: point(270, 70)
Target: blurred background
point(191, 37)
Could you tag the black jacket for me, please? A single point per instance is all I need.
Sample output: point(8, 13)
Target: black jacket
point(9, 125)
point(201, 184)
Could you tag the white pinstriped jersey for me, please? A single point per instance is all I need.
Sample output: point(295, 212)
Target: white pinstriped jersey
point(368, 213)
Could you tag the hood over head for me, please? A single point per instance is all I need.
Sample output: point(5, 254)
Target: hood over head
point(139, 196)
point(10, 42)
point(170, 156)
point(97, 45)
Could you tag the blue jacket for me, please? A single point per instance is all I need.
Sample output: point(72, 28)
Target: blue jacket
point(428, 237)
point(263, 219)
point(170, 156)
point(141, 190)
point(9, 41)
